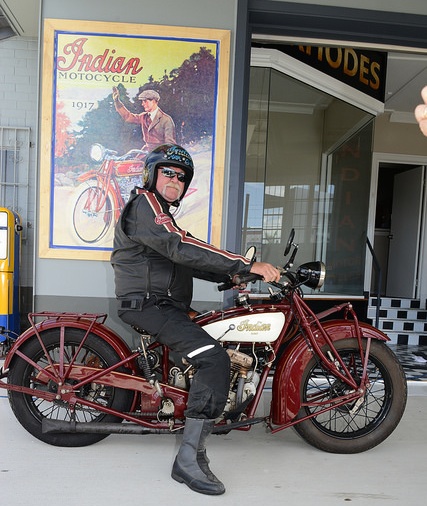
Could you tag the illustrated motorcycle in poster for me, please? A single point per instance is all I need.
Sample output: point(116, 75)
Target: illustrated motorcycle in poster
point(72, 381)
point(103, 191)
point(99, 198)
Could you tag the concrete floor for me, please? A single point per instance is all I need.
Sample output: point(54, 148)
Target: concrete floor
point(257, 468)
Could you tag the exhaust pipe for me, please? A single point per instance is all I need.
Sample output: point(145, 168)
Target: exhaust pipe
point(61, 426)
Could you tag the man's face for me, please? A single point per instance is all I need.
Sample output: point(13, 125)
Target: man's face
point(149, 105)
point(168, 185)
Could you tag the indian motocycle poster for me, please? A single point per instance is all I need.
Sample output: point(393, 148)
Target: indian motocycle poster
point(94, 138)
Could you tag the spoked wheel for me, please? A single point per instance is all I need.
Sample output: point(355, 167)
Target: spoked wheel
point(359, 425)
point(92, 213)
point(31, 410)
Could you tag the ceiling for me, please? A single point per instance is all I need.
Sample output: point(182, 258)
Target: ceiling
point(406, 72)
point(20, 16)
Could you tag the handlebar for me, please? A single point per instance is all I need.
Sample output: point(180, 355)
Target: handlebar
point(239, 279)
point(310, 274)
point(132, 154)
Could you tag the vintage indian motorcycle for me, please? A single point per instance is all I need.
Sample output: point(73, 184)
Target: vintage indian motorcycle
point(71, 380)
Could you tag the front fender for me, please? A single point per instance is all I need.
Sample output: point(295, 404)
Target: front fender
point(99, 329)
point(286, 390)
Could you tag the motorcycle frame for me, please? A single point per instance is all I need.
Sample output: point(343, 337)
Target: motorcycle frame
point(107, 183)
point(306, 341)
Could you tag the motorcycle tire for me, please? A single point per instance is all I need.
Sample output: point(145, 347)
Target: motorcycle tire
point(92, 213)
point(30, 410)
point(353, 427)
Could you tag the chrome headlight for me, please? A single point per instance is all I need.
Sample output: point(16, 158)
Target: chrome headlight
point(312, 274)
point(97, 152)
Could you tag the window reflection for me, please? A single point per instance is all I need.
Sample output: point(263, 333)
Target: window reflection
point(298, 140)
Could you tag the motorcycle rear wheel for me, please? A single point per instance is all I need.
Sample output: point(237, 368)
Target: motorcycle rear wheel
point(30, 410)
point(353, 428)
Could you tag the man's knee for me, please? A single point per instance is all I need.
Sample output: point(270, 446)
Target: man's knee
point(211, 355)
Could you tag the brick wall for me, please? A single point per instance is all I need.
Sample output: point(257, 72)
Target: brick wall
point(18, 109)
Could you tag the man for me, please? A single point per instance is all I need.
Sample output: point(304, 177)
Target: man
point(154, 263)
point(157, 127)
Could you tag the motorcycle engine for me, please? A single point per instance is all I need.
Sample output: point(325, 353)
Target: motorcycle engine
point(244, 379)
point(243, 382)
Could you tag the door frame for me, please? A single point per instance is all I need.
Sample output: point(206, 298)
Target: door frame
point(399, 159)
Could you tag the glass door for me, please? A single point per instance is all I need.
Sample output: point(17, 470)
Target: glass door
point(297, 138)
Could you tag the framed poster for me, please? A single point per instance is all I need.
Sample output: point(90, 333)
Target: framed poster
point(99, 81)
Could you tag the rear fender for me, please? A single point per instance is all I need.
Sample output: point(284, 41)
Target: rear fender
point(286, 390)
point(102, 331)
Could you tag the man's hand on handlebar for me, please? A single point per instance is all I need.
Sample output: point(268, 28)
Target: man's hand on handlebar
point(266, 271)
point(259, 270)
point(237, 283)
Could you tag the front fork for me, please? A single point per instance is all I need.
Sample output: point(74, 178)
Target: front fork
point(312, 329)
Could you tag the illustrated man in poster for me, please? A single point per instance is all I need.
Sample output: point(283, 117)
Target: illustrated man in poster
point(157, 127)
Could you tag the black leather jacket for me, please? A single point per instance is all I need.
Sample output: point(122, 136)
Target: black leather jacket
point(153, 256)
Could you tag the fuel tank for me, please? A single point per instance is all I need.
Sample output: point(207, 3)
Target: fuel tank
point(247, 328)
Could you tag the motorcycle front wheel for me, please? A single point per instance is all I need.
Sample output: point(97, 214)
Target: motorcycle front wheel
point(357, 426)
point(92, 213)
point(31, 410)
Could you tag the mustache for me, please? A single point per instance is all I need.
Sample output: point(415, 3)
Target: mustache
point(173, 185)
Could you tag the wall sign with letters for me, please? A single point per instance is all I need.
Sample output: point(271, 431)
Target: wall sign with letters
point(362, 69)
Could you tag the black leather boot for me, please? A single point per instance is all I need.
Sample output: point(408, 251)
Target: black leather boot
point(202, 457)
point(191, 464)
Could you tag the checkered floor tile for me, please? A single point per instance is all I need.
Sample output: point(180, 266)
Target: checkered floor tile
point(413, 360)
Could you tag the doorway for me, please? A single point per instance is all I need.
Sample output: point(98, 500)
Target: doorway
point(398, 225)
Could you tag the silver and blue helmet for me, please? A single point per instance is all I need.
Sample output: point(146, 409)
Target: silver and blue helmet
point(167, 155)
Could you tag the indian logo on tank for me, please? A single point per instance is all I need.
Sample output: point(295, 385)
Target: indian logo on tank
point(247, 326)
point(252, 328)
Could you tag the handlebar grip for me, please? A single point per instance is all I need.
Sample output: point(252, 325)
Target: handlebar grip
point(239, 279)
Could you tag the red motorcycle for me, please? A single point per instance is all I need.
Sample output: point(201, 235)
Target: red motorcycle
point(99, 199)
point(72, 381)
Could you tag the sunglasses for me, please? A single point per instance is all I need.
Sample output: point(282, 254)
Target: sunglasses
point(170, 173)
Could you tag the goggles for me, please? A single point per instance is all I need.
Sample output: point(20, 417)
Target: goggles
point(171, 173)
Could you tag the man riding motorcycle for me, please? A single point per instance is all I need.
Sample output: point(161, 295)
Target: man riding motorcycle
point(154, 265)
